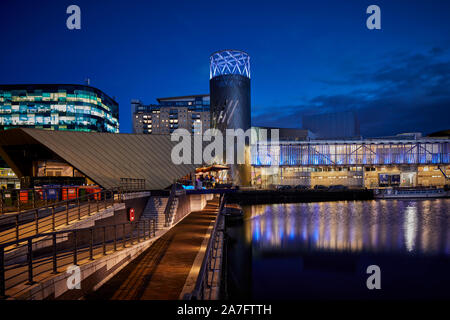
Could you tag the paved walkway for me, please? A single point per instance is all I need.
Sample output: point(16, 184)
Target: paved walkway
point(160, 272)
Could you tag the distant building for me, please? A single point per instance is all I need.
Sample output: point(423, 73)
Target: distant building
point(338, 125)
point(70, 107)
point(187, 112)
point(287, 134)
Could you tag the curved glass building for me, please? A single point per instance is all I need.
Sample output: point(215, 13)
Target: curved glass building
point(57, 107)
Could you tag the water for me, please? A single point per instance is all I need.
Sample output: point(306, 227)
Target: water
point(322, 250)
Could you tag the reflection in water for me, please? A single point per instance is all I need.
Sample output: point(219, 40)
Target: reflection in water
point(410, 226)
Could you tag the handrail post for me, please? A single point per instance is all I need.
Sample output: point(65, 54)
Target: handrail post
point(55, 266)
point(30, 261)
point(18, 201)
point(91, 244)
point(97, 195)
point(36, 219)
point(138, 233)
point(75, 260)
point(123, 236)
point(53, 218)
point(2, 272)
point(33, 195)
point(104, 240)
point(89, 205)
point(79, 208)
point(115, 237)
point(104, 199)
point(1, 199)
point(17, 228)
point(67, 213)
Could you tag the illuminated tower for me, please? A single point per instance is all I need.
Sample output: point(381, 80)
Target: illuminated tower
point(229, 86)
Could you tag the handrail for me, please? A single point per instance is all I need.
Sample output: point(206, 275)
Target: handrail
point(169, 204)
point(57, 214)
point(149, 231)
point(202, 278)
point(62, 202)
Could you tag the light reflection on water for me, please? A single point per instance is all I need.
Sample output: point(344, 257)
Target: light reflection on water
point(408, 226)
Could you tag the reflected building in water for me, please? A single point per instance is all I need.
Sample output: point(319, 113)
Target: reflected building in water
point(410, 227)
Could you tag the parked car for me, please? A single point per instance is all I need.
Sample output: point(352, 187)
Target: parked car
point(320, 187)
point(338, 187)
point(301, 187)
point(284, 187)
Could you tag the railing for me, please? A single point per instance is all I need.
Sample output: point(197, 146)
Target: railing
point(204, 283)
point(132, 184)
point(170, 201)
point(68, 247)
point(48, 218)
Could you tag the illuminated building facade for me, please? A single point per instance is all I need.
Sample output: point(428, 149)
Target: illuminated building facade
point(187, 112)
point(57, 107)
point(367, 163)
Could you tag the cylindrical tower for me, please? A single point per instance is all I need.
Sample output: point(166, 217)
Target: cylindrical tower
point(229, 87)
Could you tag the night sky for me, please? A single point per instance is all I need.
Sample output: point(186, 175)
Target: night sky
point(306, 56)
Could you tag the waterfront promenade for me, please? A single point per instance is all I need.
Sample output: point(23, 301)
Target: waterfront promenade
point(160, 272)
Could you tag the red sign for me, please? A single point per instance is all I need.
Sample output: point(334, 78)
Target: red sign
point(131, 214)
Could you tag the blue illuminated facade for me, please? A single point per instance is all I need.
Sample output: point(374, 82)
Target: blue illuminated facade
point(366, 152)
point(58, 107)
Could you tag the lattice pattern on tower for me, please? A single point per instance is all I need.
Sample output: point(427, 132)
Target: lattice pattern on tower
point(229, 62)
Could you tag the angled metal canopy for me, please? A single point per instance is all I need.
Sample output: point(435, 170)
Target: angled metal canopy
point(103, 157)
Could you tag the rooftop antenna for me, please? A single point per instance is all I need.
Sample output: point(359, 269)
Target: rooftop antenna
point(88, 81)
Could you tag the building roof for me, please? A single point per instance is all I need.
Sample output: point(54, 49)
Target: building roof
point(182, 97)
point(103, 157)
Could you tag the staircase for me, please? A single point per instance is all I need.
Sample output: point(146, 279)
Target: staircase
point(155, 210)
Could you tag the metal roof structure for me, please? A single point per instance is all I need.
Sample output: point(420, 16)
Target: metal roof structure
point(103, 157)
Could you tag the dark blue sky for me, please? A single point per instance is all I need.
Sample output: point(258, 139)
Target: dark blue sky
point(306, 56)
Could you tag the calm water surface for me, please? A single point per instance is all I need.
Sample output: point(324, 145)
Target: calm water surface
point(322, 250)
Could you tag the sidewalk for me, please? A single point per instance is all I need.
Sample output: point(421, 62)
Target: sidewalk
point(161, 271)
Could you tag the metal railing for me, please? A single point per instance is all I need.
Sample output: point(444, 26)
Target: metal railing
point(48, 218)
point(169, 206)
point(204, 283)
point(46, 252)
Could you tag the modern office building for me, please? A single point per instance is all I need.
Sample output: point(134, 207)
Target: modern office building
point(54, 107)
point(187, 112)
point(370, 163)
point(57, 107)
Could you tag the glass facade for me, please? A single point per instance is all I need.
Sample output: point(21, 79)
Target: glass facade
point(58, 107)
point(357, 153)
